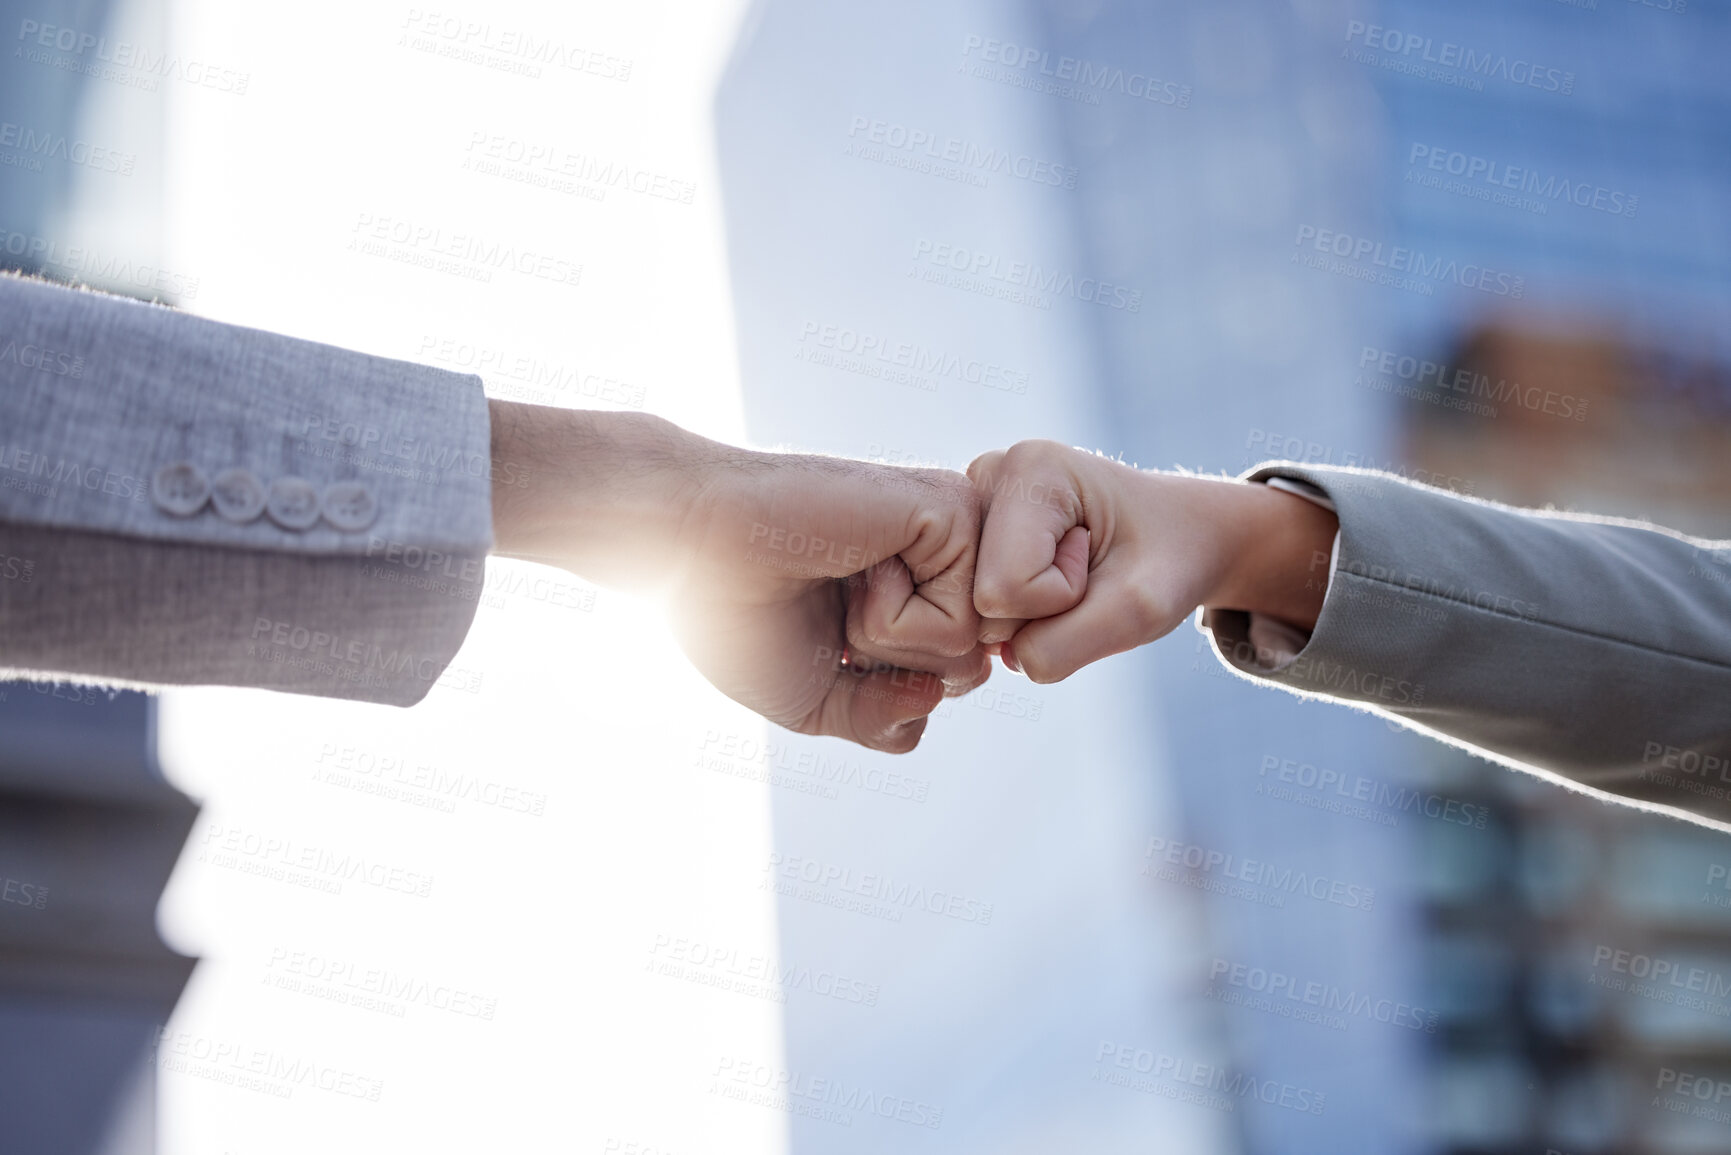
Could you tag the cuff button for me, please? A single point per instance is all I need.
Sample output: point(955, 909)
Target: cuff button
point(293, 503)
point(350, 505)
point(179, 489)
point(238, 495)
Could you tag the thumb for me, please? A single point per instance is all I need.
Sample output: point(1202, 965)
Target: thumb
point(883, 710)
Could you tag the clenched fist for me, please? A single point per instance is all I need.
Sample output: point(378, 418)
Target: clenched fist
point(777, 567)
point(1082, 557)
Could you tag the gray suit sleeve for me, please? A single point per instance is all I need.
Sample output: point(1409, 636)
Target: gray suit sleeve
point(186, 502)
point(1593, 648)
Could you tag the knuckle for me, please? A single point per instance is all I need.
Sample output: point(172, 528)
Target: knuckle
point(1040, 670)
point(956, 687)
point(993, 598)
point(951, 585)
point(875, 630)
point(983, 465)
point(1036, 451)
point(896, 743)
point(949, 642)
point(1150, 614)
point(940, 520)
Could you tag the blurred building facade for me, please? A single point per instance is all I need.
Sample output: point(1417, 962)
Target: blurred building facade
point(89, 830)
point(1554, 343)
point(1605, 387)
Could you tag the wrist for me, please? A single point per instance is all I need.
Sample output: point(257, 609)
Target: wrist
point(601, 494)
point(1278, 547)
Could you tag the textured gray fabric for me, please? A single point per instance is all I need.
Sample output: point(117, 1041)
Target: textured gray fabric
point(1594, 648)
point(98, 392)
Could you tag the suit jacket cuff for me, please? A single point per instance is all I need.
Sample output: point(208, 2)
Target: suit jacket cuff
point(202, 503)
point(1590, 647)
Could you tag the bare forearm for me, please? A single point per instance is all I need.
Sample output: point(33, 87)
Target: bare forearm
point(1225, 544)
point(1280, 547)
point(600, 494)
